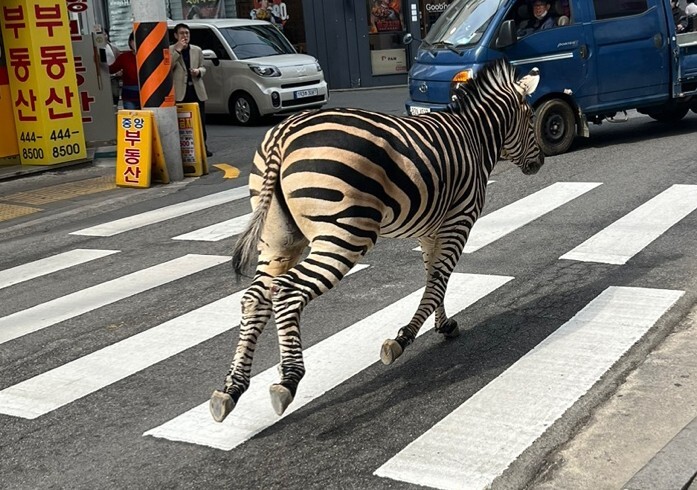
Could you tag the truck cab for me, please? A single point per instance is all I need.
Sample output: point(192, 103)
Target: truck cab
point(597, 58)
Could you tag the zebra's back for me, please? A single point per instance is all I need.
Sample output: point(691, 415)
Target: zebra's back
point(368, 174)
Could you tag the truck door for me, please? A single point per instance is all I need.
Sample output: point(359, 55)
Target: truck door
point(559, 52)
point(631, 51)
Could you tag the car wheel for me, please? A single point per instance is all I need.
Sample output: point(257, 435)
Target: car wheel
point(243, 109)
point(555, 126)
point(669, 115)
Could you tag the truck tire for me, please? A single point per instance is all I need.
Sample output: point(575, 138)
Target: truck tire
point(555, 126)
point(670, 114)
point(243, 109)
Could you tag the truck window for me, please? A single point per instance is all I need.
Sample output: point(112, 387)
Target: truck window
point(609, 9)
point(522, 14)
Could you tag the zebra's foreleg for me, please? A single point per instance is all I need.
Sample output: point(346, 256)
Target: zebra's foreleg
point(440, 257)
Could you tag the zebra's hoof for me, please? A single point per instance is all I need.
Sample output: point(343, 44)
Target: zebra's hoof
point(221, 405)
point(281, 397)
point(449, 329)
point(390, 351)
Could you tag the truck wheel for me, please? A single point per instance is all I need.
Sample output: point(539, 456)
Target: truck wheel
point(555, 126)
point(243, 109)
point(669, 115)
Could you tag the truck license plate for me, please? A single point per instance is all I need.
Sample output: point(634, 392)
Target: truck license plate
point(299, 94)
point(415, 110)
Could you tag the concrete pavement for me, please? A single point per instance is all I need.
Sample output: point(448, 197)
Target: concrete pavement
point(644, 436)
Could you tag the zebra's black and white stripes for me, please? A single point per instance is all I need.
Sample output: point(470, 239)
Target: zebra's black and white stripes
point(338, 179)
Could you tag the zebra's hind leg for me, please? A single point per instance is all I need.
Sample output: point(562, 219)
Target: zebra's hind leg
point(256, 312)
point(440, 256)
point(318, 273)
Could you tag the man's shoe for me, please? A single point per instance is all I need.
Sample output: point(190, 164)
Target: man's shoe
point(209, 153)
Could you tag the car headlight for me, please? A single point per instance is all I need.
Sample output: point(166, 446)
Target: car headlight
point(265, 70)
point(319, 68)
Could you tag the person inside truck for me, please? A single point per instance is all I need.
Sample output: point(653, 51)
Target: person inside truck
point(679, 17)
point(542, 18)
point(691, 12)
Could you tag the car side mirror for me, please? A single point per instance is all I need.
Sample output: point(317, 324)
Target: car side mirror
point(507, 34)
point(209, 54)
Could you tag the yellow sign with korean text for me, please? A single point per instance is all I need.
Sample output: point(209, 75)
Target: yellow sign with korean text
point(134, 139)
point(159, 166)
point(8, 136)
point(43, 81)
point(191, 138)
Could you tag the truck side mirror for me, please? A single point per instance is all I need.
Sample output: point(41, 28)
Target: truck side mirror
point(407, 39)
point(507, 34)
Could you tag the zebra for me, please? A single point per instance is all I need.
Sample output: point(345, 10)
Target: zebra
point(337, 179)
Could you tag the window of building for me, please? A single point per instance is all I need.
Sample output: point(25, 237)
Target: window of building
point(609, 9)
point(386, 27)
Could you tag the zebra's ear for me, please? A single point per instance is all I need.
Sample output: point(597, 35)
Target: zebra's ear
point(528, 84)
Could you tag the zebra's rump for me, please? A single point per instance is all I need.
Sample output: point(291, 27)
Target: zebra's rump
point(358, 173)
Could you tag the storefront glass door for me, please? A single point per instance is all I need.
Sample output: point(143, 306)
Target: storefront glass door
point(386, 29)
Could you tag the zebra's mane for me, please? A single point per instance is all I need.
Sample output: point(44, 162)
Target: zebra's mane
point(496, 74)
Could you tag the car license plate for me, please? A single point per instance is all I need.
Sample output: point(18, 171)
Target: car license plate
point(414, 110)
point(299, 94)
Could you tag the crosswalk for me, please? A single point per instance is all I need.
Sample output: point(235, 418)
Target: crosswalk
point(470, 447)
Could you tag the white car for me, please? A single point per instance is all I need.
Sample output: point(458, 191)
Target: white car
point(252, 70)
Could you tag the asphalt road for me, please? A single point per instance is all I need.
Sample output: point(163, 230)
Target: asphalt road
point(349, 429)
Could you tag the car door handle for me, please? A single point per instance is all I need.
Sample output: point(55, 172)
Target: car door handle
point(583, 51)
point(658, 40)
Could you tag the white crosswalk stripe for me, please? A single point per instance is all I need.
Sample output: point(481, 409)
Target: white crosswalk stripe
point(69, 306)
point(30, 399)
point(327, 364)
point(626, 237)
point(499, 223)
point(48, 265)
point(218, 231)
point(165, 213)
point(503, 221)
point(481, 438)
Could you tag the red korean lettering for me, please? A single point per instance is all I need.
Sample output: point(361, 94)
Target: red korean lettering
point(48, 17)
point(132, 174)
point(20, 63)
point(13, 18)
point(54, 58)
point(132, 156)
point(77, 5)
point(79, 70)
point(85, 102)
point(54, 99)
point(132, 137)
point(26, 100)
point(75, 31)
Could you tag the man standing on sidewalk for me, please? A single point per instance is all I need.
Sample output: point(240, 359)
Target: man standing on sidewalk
point(187, 73)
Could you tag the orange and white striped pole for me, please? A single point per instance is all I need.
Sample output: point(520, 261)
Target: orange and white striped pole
point(155, 80)
point(152, 57)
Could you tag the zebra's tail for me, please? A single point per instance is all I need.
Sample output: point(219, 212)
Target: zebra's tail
point(245, 250)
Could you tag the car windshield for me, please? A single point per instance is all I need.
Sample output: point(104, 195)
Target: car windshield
point(463, 23)
point(255, 41)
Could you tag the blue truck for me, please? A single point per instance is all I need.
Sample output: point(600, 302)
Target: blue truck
point(600, 58)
